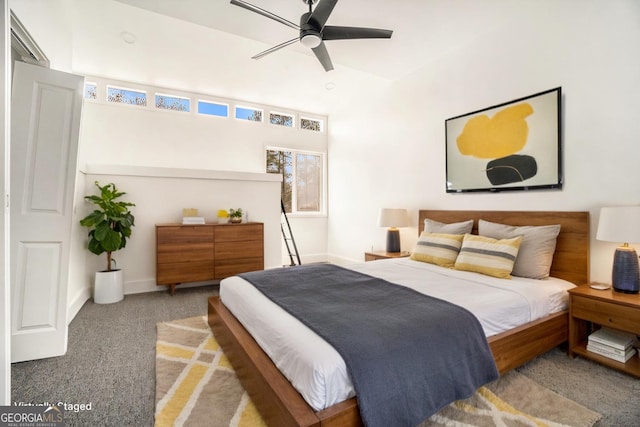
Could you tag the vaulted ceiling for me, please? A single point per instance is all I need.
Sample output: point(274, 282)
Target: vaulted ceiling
point(423, 30)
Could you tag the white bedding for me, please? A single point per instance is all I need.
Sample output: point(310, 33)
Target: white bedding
point(316, 369)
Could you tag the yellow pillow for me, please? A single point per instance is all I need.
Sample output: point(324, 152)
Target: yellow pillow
point(488, 256)
point(437, 248)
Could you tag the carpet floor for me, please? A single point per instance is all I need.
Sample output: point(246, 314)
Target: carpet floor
point(196, 385)
point(110, 363)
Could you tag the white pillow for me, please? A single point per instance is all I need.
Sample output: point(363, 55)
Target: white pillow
point(464, 227)
point(536, 250)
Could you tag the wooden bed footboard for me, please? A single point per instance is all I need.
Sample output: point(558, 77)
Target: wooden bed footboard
point(281, 405)
point(274, 396)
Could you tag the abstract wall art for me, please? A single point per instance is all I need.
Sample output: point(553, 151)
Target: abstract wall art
point(511, 146)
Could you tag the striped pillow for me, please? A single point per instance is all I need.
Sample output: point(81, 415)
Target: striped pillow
point(437, 248)
point(488, 256)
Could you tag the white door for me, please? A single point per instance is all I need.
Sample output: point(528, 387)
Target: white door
point(45, 121)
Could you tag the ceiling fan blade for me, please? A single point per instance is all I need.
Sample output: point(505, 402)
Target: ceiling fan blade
point(266, 13)
point(273, 49)
point(323, 56)
point(322, 11)
point(343, 33)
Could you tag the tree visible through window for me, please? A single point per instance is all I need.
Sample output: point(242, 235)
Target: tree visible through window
point(281, 119)
point(91, 90)
point(126, 96)
point(167, 102)
point(251, 114)
point(302, 183)
point(311, 124)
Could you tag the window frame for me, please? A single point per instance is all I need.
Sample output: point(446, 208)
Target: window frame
point(95, 85)
point(323, 191)
point(166, 95)
point(279, 113)
point(246, 107)
point(313, 119)
point(206, 101)
point(127, 89)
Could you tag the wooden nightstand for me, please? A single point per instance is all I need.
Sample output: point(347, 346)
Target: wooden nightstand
point(376, 255)
point(590, 308)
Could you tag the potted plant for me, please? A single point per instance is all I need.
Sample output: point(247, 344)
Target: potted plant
point(235, 215)
point(110, 226)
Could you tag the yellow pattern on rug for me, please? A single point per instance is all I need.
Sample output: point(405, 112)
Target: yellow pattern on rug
point(189, 365)
point(196, 385)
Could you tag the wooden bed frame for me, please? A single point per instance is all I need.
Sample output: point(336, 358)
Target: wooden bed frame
point(281, 405)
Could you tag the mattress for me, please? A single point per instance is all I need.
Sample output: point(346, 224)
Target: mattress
point(318, 371)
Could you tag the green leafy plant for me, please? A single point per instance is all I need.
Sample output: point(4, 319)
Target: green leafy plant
point(110, 223)
point(235, 213)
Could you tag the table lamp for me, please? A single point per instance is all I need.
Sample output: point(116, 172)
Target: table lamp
point(393, 218)
point(622, 224)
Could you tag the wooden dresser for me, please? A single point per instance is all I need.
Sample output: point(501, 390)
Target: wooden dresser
point(196, 253)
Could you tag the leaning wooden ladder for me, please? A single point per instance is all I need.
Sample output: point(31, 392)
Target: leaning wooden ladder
point(287, 235)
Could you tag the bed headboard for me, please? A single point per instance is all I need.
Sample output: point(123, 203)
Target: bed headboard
point(571, 258)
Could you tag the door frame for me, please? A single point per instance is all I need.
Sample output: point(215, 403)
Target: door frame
point(5, 126)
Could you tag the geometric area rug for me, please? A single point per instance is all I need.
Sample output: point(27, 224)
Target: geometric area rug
point(196, 386)
point(195, 383)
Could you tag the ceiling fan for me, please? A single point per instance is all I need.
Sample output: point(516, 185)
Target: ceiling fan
point(313, 31)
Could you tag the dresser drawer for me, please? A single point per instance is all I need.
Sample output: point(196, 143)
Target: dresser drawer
point(184, 234)
point(239, 250)
point(239, 232)
point(227, 268)
point(606, 313)
point(185, 252)
point(185, 272)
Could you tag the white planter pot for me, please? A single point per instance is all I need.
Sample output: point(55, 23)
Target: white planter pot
point(108, 287)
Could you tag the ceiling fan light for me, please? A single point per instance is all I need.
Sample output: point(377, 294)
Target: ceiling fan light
point(311, 40)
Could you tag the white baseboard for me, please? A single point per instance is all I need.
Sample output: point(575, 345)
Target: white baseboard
point(77, 303)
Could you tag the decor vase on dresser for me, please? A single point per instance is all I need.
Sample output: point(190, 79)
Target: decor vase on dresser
point(199, 253)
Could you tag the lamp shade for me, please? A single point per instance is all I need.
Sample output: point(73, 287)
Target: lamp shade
point(619, 224)
point(392, 218)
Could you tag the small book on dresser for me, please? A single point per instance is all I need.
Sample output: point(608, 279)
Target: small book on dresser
point(192, 220)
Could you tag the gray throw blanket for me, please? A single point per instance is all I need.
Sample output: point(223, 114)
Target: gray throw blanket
point(408, 354)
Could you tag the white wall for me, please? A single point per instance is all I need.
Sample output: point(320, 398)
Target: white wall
point(386, 139)
point(159, 195)
point(588, 50)
point(146, 137)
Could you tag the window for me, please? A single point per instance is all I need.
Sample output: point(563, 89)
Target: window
point(281, 119)
point(213, 109)
point(175, 103)
point(311, 124)
point(246, 113)
point(126, 96)
point(303, 179)
point(90, 90)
